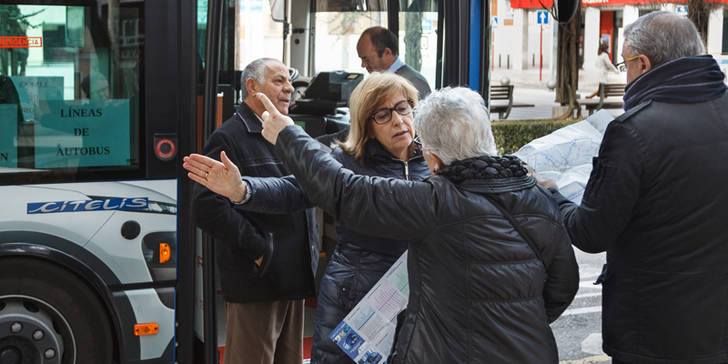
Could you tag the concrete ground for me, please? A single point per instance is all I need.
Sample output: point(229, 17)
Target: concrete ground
point(578, 330)
point(530, 90)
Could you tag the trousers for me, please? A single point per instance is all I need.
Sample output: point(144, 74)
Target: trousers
point(264, 332)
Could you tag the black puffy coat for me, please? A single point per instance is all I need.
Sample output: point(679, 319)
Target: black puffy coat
point(360, 259)
point(657, 203)
point(239, 236)
point(478, 292)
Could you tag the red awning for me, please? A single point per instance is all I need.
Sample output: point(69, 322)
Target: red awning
point(536, 4)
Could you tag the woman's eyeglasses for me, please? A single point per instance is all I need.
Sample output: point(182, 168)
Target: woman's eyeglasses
point(622, 66)
point(384, 115)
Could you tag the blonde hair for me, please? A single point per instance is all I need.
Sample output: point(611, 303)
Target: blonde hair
point(366, 99)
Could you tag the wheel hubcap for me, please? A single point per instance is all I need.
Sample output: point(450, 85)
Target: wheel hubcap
point(10, 355)
point(28, 332)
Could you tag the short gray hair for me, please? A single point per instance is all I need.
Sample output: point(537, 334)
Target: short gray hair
point(663, 36)
point(454, 124)
point(254, 70)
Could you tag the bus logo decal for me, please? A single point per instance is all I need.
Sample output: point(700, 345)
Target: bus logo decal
point(108, 204)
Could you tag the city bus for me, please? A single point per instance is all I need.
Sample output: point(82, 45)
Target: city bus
point(100, 261)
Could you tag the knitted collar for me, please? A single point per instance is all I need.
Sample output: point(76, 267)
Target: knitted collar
point(484, 168)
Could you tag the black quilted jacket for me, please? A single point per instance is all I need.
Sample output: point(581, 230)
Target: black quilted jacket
point(478, 292)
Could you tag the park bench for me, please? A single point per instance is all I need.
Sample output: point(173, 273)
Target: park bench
point(610, 97)
point(501, 100)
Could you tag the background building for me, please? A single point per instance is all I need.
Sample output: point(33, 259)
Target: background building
point(523, 36)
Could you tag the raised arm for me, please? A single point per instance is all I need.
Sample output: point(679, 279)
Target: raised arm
point(384, 207)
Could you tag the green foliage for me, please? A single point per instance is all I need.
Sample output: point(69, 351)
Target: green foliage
point(512, 135)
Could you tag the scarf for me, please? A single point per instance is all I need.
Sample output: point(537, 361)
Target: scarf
point(684, 80)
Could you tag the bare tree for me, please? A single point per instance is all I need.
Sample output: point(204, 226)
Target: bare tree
point(698, 13)
point(567, 71)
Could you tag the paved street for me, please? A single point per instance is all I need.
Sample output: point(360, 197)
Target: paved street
point(529, 90)
point(578, 330)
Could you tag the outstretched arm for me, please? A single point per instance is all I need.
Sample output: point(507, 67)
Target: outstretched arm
point(221, 177)
point(271, 195)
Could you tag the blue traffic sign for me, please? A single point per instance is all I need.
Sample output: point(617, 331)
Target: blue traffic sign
point(542, 17)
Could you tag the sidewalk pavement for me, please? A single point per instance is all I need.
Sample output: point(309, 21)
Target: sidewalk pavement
point(530, 90)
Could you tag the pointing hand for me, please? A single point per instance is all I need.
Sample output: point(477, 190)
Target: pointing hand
point(273, 120)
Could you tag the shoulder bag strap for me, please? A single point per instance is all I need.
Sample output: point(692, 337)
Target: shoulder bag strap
point(516, 226)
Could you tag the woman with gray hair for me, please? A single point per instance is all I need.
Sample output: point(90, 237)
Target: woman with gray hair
point(381, 142)
point(490, 264)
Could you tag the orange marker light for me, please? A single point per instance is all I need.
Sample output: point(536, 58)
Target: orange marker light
point(146, 329)
point(165, 252)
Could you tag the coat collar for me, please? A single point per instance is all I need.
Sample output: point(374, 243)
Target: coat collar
point(489, 174)
point(374, 151)
point(251, 121)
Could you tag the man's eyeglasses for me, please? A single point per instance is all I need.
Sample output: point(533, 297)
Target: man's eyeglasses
point(622, 66)
point(384, 115)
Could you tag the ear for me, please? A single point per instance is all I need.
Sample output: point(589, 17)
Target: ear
point(387, 54)
point(646, 64)
point(433, 162)
point(251, 85)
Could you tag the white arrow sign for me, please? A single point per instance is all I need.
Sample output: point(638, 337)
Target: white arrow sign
point(542, 17)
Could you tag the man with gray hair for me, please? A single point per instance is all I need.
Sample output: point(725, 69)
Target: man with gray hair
point(266, 262)
point(656, 202)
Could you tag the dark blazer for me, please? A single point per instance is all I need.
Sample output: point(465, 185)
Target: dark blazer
point(242, 237)
point(416, 79)
point(657, 203)
point(478, 292)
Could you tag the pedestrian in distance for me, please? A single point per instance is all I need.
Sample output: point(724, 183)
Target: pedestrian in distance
point(604, 66)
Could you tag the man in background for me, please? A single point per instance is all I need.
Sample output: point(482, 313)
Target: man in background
point(378, 49)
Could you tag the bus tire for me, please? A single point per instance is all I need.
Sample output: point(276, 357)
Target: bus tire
point(48, 312)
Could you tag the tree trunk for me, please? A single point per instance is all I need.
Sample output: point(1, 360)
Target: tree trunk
point(698, 13)
point(567, 73)
point(413, 36)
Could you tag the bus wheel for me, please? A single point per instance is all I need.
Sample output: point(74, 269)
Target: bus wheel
point(48, 315)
